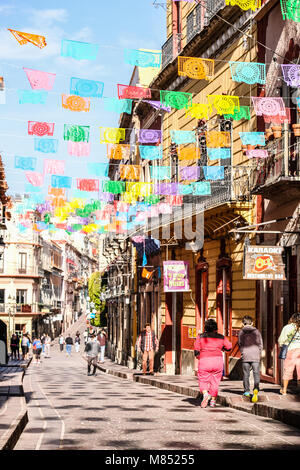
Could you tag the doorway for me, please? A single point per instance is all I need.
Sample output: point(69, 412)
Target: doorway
point(201, 295)
point(224, 301)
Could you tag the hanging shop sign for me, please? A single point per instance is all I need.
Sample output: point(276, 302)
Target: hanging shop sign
point(264, 262)
point(176, 276)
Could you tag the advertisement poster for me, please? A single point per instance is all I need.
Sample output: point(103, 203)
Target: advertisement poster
point(264, 262)
point(176, 276)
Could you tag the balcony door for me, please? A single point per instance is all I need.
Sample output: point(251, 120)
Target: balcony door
point(224, 297)
point(201, 295)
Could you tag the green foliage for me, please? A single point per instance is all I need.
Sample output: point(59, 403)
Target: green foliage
point(95, 289)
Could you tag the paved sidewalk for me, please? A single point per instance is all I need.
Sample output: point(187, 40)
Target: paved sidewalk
point(270, 405)
point(13, 410)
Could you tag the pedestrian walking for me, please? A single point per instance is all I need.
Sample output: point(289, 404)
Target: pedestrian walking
point(47, 342)
point(208, 349)
point(290, 337)
point(77, 342)
point(251, 344)
point(25, 343)
point(61, 341)
point(148, 344)
point(43, 343)
point(85, 336)
point(102, 340)
point(69, 343)
point(37, 350)
point(92, 349)
point(14, 347)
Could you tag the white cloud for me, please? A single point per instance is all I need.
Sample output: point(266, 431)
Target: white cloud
point(6, 9)
point(46, 18)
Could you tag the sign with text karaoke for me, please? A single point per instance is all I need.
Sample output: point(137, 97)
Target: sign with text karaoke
point(176, 276)
point(264, 262)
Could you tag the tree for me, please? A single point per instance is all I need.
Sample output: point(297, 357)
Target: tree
point(95, 290)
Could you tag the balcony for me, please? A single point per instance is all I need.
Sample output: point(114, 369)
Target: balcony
point(277, 176)
point(194, 23)
point(212, 7)
point(13, 309)
point(170, 49)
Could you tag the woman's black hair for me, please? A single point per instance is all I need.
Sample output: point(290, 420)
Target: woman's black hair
point(210, 325)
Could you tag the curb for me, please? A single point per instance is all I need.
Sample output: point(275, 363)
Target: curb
point(263, 408)
point(13, 433)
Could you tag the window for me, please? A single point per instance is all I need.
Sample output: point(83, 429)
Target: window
point(2, 296)
point(21, 297)
point(22, 262)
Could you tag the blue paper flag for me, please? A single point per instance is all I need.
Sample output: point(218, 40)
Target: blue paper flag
point(213, 172)
point(86, 88)
point(132, 211)
point(185, 189)
point(253, 138)
point(32, 189)
point(46, 145)
point(98, 169)
point(122, 216)
point(79, 50)
point(144, 259)
point(32, 96)
point(25, 163)
point(183, 137)
point(141, 58)
point(201, 188)
point(218, 153)
point(118, 106)
point(160, 172)
point(61, 181)
point(21, 228)
point(151, 152)
point(248, 72)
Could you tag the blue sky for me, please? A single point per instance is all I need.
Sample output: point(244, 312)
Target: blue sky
point(113, 25)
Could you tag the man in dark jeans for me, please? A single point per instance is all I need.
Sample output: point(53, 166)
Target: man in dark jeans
point(251, 345)
point(147, 344)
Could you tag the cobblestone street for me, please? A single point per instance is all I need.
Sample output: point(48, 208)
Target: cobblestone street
point(69, 410)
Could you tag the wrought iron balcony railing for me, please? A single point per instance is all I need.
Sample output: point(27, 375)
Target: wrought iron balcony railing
point(212, 7)
point(170, 49)
point(194, 22)
point(276, 167)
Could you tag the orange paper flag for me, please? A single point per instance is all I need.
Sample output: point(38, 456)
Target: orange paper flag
point(24, 38)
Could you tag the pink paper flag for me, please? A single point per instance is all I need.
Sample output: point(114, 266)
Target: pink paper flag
point(79, 149)
point(54, 167)
point(87, 184)
point(40, 128)
point(40, 80)
point(34, 178)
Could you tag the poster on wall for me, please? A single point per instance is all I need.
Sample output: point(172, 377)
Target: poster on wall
point(264, 262)
point(176, 276)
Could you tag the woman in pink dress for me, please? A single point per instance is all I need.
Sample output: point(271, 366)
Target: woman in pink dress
point(208, 350)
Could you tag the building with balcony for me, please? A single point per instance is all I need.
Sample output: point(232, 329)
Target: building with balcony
point(20, 277)
point(275, 182)
point(252, 192)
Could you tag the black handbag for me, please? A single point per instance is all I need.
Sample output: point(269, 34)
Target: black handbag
point(284, 348)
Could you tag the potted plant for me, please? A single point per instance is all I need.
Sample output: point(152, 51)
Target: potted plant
point(268, 133)
point(277, 131)
point(296, 129)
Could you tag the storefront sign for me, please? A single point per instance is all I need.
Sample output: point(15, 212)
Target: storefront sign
point(264, 262)
point(192, 332)
point(176, 276)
